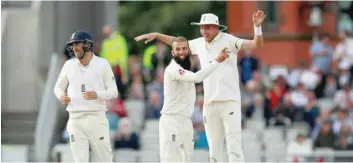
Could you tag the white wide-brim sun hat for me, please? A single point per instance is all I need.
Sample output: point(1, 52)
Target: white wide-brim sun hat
point(210, 18)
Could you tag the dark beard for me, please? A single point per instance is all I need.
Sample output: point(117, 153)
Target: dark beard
point(185, 64)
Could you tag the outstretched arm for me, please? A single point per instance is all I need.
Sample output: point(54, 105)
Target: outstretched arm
point(199, 76)
point(258, 41)
point(155, 35)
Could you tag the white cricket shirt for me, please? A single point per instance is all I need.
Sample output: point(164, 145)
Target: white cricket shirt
point(223, 84)
point(96, 76)
point(179, 88)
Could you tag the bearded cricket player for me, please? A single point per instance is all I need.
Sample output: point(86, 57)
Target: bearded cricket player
point(222, 101)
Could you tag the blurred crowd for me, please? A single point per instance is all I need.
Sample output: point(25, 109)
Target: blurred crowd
point(283, 95)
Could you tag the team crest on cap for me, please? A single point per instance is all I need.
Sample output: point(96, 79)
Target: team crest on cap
point(204, 18)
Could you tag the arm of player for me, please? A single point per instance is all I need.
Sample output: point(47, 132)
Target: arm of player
point(258, 41)
point(110, 84)
point(199, 76)
point(165, 38)
point(155, 35)
point(61, 83)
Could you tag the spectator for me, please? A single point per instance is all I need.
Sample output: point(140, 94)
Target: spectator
point(299, 96)
point(331, 86)
point(344, 98)
point(154, 106)
point(324, 116)
point(342, 119)
point(343, 143)
point(310, 79)
point(294, 75)
point(344, 76)
point(287, 107)
point(326, 137)
point(115, 49)
point(249, 98)
point(126, 138)
point(260, 82)
point(344, 51)
point(321, 53)
point(119, 83)
point(301, 146)
point(320, 84)
point(157, 84)
point(276, 94)
point(280, 120)
point(248, 64)
point(136, 84)
point(311, 110)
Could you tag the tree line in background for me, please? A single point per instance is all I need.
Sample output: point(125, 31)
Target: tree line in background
point(172, 18)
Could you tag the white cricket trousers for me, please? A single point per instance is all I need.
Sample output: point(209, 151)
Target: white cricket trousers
point(222, 121)
point(90, 131)
point(176, 138)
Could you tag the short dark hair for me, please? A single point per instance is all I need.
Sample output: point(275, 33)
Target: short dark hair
point(180, 39)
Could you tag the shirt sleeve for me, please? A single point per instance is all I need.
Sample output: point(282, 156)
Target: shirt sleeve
point(110, 84)
point(188, 76)
point(236, 43)
point(192, 46)
point(62, 82)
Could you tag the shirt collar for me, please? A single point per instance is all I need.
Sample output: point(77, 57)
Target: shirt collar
point(91, 61)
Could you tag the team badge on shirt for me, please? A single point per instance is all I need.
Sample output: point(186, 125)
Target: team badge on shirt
point(181, 72)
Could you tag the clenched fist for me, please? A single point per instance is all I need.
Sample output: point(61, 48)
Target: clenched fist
point(223, 55)
point(90, 95)
point(65, 99)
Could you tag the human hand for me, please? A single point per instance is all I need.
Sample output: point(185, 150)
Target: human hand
point(65, 99)
point(223, 55)
point(90, 95)
point(148, 37)
point(258, 17)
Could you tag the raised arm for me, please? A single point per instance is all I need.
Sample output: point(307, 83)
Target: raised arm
point(258, 41)
point(155, 35)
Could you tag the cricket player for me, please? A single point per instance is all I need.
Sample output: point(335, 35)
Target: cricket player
point(175, 126)
point(89, 81)
point(222, 102)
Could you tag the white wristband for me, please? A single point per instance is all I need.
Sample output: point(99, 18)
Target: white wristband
point(258, 31)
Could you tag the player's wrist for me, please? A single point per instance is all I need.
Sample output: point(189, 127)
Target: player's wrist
point(257, 30)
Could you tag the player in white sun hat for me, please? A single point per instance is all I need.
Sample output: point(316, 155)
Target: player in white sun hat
point(222, 102)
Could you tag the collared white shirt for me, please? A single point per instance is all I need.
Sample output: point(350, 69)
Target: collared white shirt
point(223, 84)
point(179, 88)
point(96, 76)
point(344, 51)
